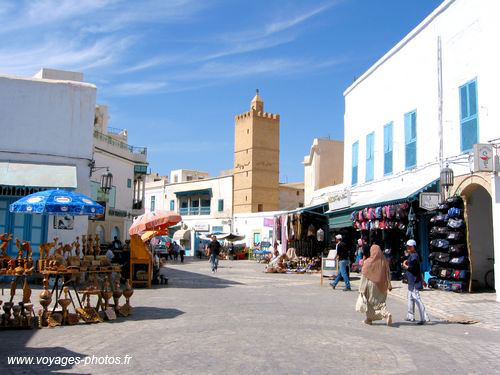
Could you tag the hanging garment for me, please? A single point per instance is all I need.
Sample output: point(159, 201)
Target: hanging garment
point(320, 235)
point(291, 229)
point(311, 231)
point(299, 226)
point(284, 233)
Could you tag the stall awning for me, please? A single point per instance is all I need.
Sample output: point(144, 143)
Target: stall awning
point(381, 197)
point(182, 235)
point(39, 175)
point(194, 192)
point(340, 221)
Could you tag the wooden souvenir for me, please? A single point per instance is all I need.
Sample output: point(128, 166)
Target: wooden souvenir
point(127, 293)
point(7, 319)
point(97, 246)
point(117, 293)
point(64, 303)
point(84, 245)
point(26, 292)
point(29, 266)
point(76, 245)
point(16, 320)
point(5, 238)
point(45, 299)
point(19, 249)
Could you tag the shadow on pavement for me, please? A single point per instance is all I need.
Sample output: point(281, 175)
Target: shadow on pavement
point(192, 280)
point(13, 344)
point(149, 313)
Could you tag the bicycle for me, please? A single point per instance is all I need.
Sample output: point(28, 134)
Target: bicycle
point(489, 278)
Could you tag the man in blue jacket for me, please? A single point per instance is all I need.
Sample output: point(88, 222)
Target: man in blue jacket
point(415, 284)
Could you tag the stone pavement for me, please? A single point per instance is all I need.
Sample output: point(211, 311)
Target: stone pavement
point(243, 321)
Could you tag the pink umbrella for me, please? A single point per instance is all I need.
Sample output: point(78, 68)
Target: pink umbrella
point(156, 220)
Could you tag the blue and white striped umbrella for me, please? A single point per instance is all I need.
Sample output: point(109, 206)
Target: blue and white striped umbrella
point(57, 202)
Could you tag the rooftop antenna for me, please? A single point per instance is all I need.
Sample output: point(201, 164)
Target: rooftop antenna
point(257, 91)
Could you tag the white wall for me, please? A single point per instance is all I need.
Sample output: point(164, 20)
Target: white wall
point(407, 81)
point(47, 121)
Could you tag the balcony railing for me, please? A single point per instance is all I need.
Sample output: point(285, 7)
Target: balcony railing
point(194, 211)
point(137, 205)
point(114, 142)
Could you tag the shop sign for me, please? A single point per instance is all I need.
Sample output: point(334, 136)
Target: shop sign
point(268, 222)
point(118, 213)
point(201, 227)
point(340, 200)
point(483, 158)
point(217, 228)
point(429, 201)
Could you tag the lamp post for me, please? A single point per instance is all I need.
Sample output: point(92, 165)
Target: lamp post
point(106, 182)
point(446, 180)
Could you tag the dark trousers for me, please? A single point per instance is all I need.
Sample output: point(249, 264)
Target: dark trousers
point(181, 253)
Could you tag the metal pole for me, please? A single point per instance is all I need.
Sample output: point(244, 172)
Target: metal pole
point(440, 107)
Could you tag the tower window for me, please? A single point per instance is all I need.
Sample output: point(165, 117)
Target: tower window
point(247, 174)
point(260, 208)
point(246, 198)
point(248, 131)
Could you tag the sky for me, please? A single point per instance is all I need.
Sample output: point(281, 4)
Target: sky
point(176, 72)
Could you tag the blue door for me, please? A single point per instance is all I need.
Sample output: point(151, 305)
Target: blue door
point(32, 228)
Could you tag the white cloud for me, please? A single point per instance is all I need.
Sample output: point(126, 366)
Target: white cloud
point(138, 88)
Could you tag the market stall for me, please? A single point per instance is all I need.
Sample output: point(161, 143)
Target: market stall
point(143, 229)
point(84, 279)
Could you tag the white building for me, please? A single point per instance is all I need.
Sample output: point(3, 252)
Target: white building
point(424, 104)
point(46, 123)
point(128, 165)
point(257, 227)
point(205, 204)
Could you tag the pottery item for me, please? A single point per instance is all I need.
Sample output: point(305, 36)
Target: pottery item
point(64, 303)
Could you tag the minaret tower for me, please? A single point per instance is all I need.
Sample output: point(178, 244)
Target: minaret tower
point(256, 159)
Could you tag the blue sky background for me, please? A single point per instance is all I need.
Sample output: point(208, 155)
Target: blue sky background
point(176, 72)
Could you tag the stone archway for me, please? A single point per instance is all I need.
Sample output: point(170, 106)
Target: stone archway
point(479, 217)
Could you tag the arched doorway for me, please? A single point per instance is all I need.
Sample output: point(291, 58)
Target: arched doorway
point(478, 211)
point(115, 233)
point(99, 230)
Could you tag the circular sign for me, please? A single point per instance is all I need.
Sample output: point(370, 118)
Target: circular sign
point(62, 199)
point(35, 199)
point(88, 201)
point(29, 208)
point(64, 208)
point(92, 209)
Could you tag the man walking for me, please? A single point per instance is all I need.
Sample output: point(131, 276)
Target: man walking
point(343, 259)
point(214, 251)
point(414, 276)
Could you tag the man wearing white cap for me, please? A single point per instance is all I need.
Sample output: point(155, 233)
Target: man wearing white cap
point(414, 276)
point(343, 258)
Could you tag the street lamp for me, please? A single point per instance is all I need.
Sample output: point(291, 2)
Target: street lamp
point(106, 182)
point(446, 178)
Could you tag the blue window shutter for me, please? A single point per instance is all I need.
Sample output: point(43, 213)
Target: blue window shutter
point(354, 173)
point(172, 205)
point(410, 140)
point(464, 112)
point(369, 157)
point(472, 99)
point(388, 149)
point(221, 205)
point(468, 116)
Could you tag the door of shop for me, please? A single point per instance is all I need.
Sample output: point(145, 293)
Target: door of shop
point(31, 228)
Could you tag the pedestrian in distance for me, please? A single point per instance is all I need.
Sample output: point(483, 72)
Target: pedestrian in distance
point(182, 253)
point(343, 259)
point(415, 284)
point(214, 249)
point(375, 282)
point(176, 250)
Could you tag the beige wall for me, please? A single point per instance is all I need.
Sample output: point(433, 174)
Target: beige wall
point(256, 160)
point(324, 166)
point(291, 197)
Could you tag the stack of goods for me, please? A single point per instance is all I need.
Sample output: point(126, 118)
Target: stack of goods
point(448, 249)
point(383, 218)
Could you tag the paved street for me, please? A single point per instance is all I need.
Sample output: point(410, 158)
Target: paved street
point(244, 321)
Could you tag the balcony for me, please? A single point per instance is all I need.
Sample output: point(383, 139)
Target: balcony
point(106, 141)
point(192, 211)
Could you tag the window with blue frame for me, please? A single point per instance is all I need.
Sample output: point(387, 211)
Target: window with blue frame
point(369, 156)
point(468, 116)
point(354, 174)
point(172, 205)
point(411, 139)
point(152, 208)
point(388, 149)
point(221, 205)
